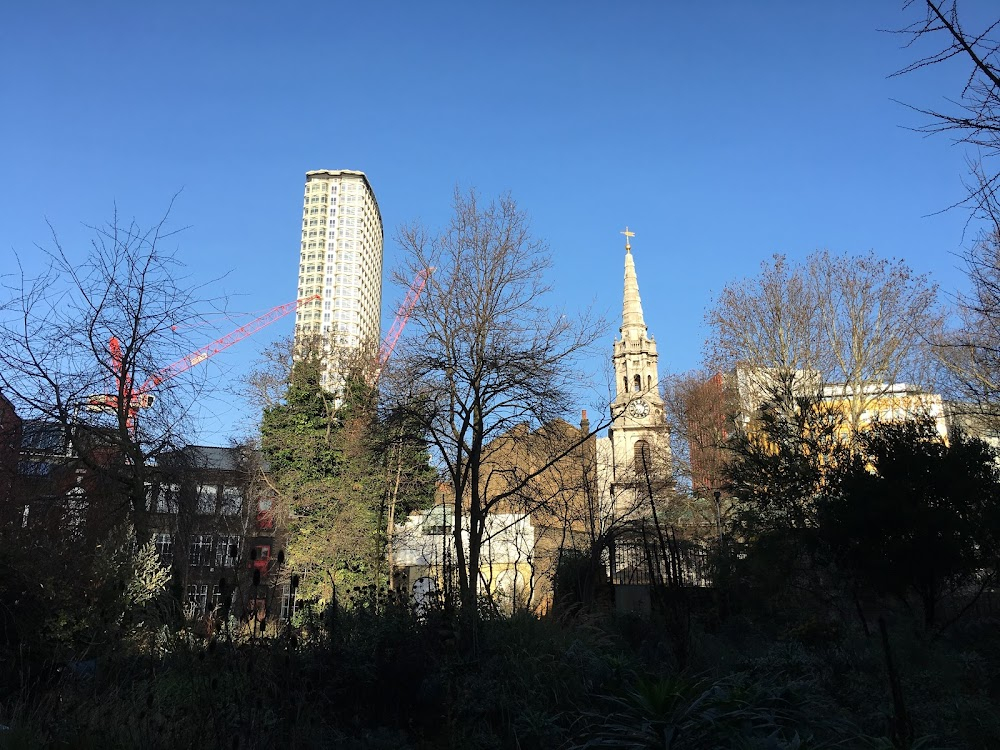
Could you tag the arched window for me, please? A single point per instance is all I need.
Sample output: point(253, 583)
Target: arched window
point(638, 383)
point(626, 383)
point(641, 455)
point(649, 382)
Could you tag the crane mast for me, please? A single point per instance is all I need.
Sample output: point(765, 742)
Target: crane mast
point(141, 397)
point(402, 316)
point(210, 350)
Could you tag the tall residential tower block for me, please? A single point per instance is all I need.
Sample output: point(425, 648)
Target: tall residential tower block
point(341, 260)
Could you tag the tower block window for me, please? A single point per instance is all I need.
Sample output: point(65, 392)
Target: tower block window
point(641, 455)
point(638, 383)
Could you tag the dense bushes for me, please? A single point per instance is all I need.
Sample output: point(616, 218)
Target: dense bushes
point(384, 678)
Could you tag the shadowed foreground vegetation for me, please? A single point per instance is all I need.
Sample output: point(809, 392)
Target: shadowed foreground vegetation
point(785, 672)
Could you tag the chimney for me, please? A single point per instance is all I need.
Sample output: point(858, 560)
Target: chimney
point(585, 423)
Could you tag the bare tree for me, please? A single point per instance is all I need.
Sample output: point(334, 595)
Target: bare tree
point(974, 117)
point(771, 318)
point(59, 363)
point(859, 321)
point(877, 319)
point(700, 408)
point(266, 385)
point(487, 358)
point(971, 352)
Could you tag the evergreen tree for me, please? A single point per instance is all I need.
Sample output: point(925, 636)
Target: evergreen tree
point(913, 513)
point(336, 465)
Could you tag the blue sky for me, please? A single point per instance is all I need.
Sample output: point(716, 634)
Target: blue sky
point(720, 132)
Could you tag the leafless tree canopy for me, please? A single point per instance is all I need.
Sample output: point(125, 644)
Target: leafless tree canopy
point(970, 351)
point(974, 116)
point(856, 320)
point(771, 319)
point(486, 356)
point(55, 331)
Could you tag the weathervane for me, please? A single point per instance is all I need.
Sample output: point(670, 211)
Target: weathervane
point(628, 247)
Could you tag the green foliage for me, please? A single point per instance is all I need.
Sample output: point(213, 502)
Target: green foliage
point(896, 511)
point(781, 463)
point(295, 434)
point(72, 602)
point(689, 714)
point(337, 465)
point(119, 558)
point(911, 512)
point(383, 677)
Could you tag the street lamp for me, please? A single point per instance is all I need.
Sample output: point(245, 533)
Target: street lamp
point(718, 513)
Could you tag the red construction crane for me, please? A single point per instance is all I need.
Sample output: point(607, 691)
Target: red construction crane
point(403, 315)
point(141, 396)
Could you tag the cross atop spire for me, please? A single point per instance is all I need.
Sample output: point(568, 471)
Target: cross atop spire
point(628, 247)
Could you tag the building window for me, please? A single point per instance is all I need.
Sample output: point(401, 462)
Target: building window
point(197, 599)
point(227, 551)
point(207, 496)
point(288, 607)
point(76, 511)
point(201, 549)
point(260, 556)
point(265, 509)
point(638, 383)
point(166, 498)
point(641, 455)
point(232, 501)
point(164, 544)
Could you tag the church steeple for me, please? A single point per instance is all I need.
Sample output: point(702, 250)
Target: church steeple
point(635, 351)
point(632, 308)
point(638, 427)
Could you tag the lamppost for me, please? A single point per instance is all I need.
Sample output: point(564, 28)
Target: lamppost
point(718, 513)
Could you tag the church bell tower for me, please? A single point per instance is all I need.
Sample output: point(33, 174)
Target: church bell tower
point(638, 430)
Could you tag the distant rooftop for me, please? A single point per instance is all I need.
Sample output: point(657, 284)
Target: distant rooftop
point(335, 172)
point(43, 436)
point(353, 172)
point(212, 458)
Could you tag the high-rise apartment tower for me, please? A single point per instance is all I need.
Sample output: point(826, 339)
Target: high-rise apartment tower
point(340, 259)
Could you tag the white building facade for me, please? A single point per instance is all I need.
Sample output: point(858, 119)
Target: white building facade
point(340, 259)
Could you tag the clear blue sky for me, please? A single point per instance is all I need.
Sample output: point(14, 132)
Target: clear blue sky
point(720, 132)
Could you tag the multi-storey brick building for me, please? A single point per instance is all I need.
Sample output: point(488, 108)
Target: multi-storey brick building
point(207, 510)
point(211, 517)
point(10, 444)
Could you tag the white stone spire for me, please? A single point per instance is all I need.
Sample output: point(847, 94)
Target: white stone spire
point(633, 326)
point(632, 307)
point(638, 427)
point(635, 351)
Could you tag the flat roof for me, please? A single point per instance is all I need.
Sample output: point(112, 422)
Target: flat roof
point(354, 173)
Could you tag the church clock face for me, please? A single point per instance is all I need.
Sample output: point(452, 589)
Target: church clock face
point(638, 408)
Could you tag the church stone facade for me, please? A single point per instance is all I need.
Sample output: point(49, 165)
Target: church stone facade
point(638, 439)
